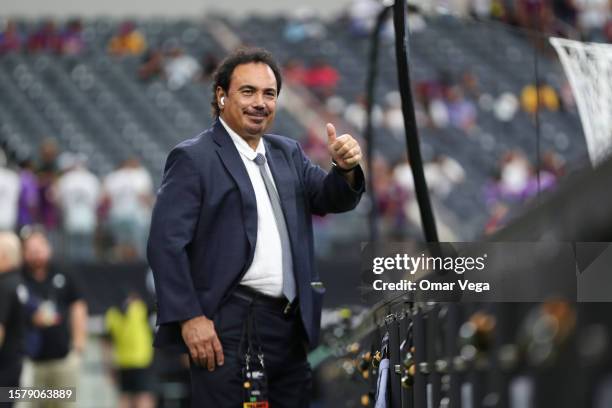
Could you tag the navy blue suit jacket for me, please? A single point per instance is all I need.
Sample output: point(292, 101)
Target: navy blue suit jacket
point(204, 226)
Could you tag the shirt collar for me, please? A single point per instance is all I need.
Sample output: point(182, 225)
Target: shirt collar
point(241, 144)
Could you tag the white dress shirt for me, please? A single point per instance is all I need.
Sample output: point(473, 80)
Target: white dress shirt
point(265, 274)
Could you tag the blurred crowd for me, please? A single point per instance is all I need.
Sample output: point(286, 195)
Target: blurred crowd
point(591, 19)
point(45, 328)
point(169, 61)
point(517, 181)
point(42, 314)
point(86, 217)
point(586, 20)
point(67, 40)
point(62, 210)
point(443, 101)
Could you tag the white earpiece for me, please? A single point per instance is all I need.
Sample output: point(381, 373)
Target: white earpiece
point(222, 101)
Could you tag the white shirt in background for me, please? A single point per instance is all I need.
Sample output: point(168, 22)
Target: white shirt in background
point(10, 188)
point(78, 194)
point(126, 187)
point(181, 70)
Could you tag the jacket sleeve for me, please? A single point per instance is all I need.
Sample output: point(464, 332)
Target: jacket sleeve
point(329, 192)
point(173, 223)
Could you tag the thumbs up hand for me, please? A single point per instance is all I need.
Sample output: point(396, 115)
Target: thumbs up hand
point(344, 149)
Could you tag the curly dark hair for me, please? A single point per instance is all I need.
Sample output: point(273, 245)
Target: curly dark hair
point(243, 55)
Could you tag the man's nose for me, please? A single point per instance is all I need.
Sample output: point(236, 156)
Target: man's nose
point(258, 102)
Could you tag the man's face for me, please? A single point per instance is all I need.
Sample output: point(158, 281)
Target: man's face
point(36, 251)
point(250, 103)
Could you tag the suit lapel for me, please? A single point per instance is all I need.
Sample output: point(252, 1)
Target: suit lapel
point(233, 163)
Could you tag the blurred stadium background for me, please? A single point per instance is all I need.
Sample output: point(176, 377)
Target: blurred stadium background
point(112, 86)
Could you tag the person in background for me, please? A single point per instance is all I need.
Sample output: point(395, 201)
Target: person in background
point(132, 341)
point(29, 201)
point(554, 163)
point(533, 98)
point(362, 16)
point(57, 330)
point(355, 114)
point(592, 18)
point(71, 39)
point(129, 192)
point(47, 174)
point(152, 65)
point(321, 78)
point(11, 39)
point(128, 41)
point(180, 68)
point(536, 15)
point(515, 170)
point(45, 39)
point(209, 63)
point(391, 199)
point(77, 193)
point(294, 71)
point(9, 195)
point(505, 107)
point(302, 25)
point(462, 112)
point(393, 118)
point(443, 174)
point(13, 295)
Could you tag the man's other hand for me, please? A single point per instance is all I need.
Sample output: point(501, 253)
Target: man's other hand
point(344, 149)
point(201, 339)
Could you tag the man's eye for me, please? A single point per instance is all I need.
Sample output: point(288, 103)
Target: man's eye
point(247, 92)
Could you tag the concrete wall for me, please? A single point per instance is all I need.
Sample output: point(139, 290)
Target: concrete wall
point(156, 8)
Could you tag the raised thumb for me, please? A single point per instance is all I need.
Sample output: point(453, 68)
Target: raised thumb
point(331, 133)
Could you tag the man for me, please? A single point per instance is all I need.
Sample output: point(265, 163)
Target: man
point(129, 192)
point(180, 68)
point(9, 195)
point(132, 342)
point(231, 237)
point(58, 327)
point(77, 192)
point(12, 313)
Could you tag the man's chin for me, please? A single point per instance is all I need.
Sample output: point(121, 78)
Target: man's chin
point(256, 130)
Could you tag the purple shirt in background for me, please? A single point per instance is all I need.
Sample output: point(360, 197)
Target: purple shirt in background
point(10, 42)
point(461, 113)
point(49, 215)
point(71, 42)
point(547, 182)
point(28, 199)
point(494, 192)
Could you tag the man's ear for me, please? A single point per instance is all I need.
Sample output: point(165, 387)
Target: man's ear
point(220, 93)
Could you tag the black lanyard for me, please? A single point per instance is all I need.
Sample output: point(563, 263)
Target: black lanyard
point(255, 381)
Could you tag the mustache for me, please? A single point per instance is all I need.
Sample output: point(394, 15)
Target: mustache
point(257, 112)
